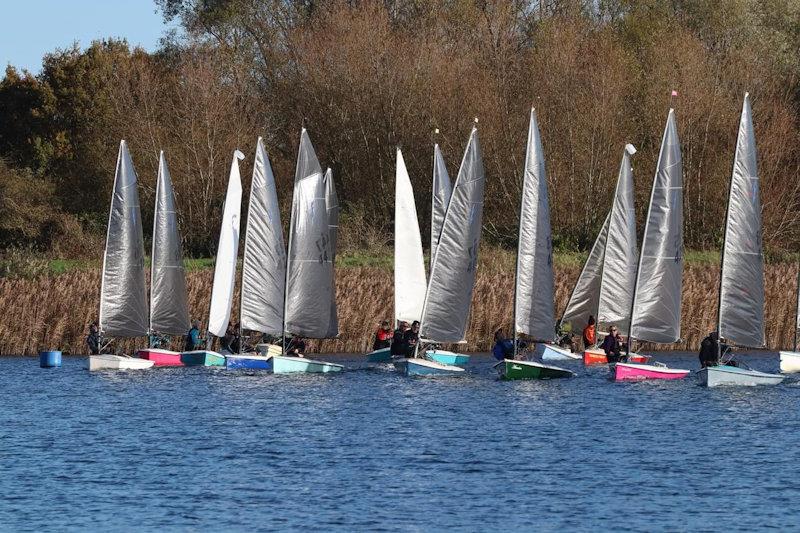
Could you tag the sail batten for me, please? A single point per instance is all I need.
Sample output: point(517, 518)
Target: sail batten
point(409, 263)
point(741, 299)
point(264, 262)
point(452, 280)
point(534, 310)
point(123, 292)
point(227, 251)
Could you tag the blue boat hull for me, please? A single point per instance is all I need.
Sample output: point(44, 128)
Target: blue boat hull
point(421, 367)
point(248, 363)
point(553, 353)
point(447, 358)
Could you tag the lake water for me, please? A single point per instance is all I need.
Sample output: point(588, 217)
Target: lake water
point(197, 448)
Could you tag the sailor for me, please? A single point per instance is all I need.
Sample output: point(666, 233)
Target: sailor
point(711, 349)
point(193, 339)
point(383, 337)
point(411, 337)
point(93, 339)
point(399, 346)
point(589, 334)
point(296, 347)
point(613, 345)
point(503, 347)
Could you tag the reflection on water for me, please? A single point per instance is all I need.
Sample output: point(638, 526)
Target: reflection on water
point(183, 448)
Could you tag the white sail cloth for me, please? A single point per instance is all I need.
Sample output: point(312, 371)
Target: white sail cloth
point(440, 199)
point(227, 251)
point(741, 300)
point(123, 293)
point(656, 315)
point(534, 312)
point(409, 263)
point(264, 263)
point(169, 310)
point(452, 279)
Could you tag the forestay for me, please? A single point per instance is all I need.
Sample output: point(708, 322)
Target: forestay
point(741, 299)
point(452, 280)
point(534, 313)
point(264, 263)
point(169, 311)
point(656, 315)
point(227, 250)
point(309, 275)
point(332, 205)
point(621, 254)
point(409, 264)
point(123, 293)
point(440, 198)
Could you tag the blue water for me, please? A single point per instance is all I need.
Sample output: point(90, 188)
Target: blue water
point(196, 448)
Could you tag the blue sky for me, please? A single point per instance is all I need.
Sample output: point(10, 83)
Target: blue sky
point(32, 28)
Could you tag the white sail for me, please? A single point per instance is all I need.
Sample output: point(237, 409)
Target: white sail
point(332, 205)
point(264, 262)
point(227, 251)
point(169, 310)
point(309, 269)
point(440, 197)
point(741, 299)
point(585, 295)
point(621, 254)
point(409, 263)
point(449, 294)
point(123, 293)
point(534, 312)
point(656, 315)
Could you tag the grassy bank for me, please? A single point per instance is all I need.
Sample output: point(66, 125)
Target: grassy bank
point(53, 310)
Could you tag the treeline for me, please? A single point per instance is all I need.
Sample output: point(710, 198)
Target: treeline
point(367, 76)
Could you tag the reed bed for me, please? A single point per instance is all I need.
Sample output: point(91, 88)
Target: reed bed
point(54, 311)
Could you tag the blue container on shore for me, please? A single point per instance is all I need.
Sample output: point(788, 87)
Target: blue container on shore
point(50, 359)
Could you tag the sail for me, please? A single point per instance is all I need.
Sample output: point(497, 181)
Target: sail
point(449, 294)
point(621, 254)
point(332, 204)
point(656, 313)
point(409, 264)
point(586, 293)
point(442, 190)
point(123, 293)
point(309, 274)
point(741, 299)
point(264, 262)
point(534, 312)
point(227, 251)
point(169, 311)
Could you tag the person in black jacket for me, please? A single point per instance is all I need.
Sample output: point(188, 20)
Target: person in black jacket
point(399, 346)
point(613, 345)
point(711, 349)
point(411, 338)
point(93, 340)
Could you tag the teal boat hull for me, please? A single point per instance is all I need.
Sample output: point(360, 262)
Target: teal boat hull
point(424, 367)
point(202, 358)
point(300, 365)
point(384, 355)
point(447, 358)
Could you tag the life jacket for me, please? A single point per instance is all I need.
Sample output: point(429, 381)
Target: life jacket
point(589, 334)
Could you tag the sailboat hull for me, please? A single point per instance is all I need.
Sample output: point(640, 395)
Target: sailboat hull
point(117, 362)
point(724, 375)
point(641, 372)
point(425, 367)
point(511, 369)
point(447, 358)
point(293, 365)
point(596, 356)
point(248, 362)
point(202, 358)
point(384, 355)
point(161, 357)
point(790, 362)
point(548, 352)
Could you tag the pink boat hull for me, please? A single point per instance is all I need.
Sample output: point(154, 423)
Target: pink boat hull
point(633, 372)
point(161, 357)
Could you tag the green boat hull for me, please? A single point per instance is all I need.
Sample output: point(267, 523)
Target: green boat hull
point(510, 370)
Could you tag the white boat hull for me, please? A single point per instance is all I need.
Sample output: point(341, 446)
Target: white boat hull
point(550, 352)
point(291, 365)
point(118, 362)
point(790, 362)
point(723, 375)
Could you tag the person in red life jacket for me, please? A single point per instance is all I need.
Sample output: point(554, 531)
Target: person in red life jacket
point(589, 333)
point(383, 337)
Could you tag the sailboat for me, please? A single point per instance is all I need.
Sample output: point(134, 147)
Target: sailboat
point(605, 286)
point(790, 360)
point(263, 267)
point(309, 295)
point(219, 313)
point(409, 263)
point(448, 295)
point(123, 293)
point(740, 317)
point(534, 286)
point(655, 314)
point(169, 310)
